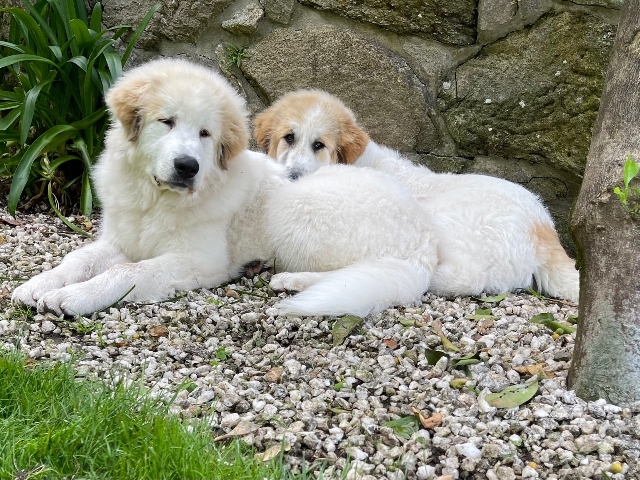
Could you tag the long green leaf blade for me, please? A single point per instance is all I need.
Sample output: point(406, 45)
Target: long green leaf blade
point(20, 177)
point(138, 32)
point(86, 195)
point(23, 57)
point(28, 110)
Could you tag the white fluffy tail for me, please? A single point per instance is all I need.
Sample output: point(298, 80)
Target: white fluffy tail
point(361, 289)
point(559, 280)
point(556, 275)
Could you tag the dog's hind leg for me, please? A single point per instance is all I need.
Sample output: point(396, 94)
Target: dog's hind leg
point(295, 282)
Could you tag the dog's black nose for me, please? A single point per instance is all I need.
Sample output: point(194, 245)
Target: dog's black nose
point(186, 167)
point(294, 174)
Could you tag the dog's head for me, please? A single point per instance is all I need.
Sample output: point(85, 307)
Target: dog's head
point(308, 129)
point(184, 121)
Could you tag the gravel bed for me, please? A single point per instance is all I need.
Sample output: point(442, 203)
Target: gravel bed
point(227, 356)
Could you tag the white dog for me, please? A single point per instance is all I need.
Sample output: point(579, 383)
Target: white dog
point(492, 235)
point(185, 205)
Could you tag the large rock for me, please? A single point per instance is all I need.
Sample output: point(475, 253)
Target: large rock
point(378, 85)
point(446, 21)
point(177, 20)
point(533, 95)
point(496, 18)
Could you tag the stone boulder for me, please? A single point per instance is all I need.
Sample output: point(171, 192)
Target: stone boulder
point(177, 20)
point(377, 84)
point(448, 22)
point(533, 95)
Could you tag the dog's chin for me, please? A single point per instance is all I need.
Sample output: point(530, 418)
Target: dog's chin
point(183, 187)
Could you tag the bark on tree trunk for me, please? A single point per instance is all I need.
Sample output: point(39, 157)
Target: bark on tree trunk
point(606, 359)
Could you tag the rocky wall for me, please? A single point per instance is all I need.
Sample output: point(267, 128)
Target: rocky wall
point(503, 87)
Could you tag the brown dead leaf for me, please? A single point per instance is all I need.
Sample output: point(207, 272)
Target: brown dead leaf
point(5, 292)
point(121, 344)
point(8, 221)
point(272, 452)
point(243, 428)
point(446, 343)
point(445, 477)
point(427, 422)
point(274, 374)
point(159, 331)
point(230, 292)
point(390, 343)
point(87, 225)
point(485, 325)
point(535, 370)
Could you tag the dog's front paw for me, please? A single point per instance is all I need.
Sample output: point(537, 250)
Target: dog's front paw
point(72, 300)
point(30, 293)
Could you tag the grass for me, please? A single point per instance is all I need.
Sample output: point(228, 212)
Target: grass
point(53, 426)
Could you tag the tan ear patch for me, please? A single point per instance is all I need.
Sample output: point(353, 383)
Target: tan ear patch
point(353, 141)
point(124, 101)
point(263, 128)
point(235, 138)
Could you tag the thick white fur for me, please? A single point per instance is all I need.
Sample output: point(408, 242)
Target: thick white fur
point(341, 217)
point(162, 232)
point(492, 235)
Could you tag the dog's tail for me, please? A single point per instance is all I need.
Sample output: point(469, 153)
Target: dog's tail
point(556, 274)
point(361, 289)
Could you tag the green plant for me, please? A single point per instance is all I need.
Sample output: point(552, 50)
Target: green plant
point(629, 172)
point(235, 54)
point(56, 67)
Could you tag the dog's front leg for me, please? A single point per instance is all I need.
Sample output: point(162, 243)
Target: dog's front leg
point(77, 266)
point(150, 280)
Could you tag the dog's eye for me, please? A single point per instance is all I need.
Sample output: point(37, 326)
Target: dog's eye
point(169, 122)
point(317, 146)
point(204, 133)
point(289, 138)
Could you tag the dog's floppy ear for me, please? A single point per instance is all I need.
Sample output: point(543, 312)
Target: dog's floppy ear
point(352, 143)
point(263, 128)
point(124, 101)
point(235, 138)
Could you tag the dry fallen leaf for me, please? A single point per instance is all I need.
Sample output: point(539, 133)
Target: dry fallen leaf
point(445, 477)
point(274, 374)
point(446, 343)
point(535, 370)
point(8, 221)
point(428, 422)
point(272, 452)
point(230, 292)
point(390, 343)
point(159, 331)
point(243, 428)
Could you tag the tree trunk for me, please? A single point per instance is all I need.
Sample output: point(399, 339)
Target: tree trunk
point(606, 359)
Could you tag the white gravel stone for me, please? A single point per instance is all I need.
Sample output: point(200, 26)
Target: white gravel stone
point(237, 359)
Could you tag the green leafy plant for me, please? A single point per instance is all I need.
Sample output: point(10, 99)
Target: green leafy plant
point(629, 172)
point(235, 54)
point(56, 67)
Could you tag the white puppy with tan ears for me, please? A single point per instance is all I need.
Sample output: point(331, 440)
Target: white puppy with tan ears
point(186, 205)
point(492, 235)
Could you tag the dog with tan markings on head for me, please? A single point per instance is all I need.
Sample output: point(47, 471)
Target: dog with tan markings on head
point(186, 205)
point(493, 235)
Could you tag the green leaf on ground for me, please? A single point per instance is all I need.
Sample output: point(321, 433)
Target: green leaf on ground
point(494, 299)
point(513, 396)
point(434, 355)
point(403, 427)
point(343, 327)
point(549, 321)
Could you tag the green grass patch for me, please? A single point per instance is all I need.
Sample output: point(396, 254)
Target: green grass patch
point(54, 426)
